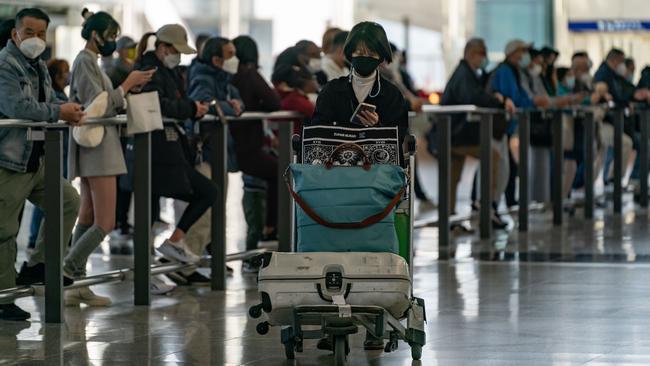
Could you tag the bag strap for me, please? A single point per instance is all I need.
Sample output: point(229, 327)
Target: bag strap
point(368, 221)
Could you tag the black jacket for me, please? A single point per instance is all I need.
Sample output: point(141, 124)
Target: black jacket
point(337, 102)
point(466, 87)
point(170, 152)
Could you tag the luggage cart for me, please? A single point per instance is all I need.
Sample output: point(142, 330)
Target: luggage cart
point(316, 301)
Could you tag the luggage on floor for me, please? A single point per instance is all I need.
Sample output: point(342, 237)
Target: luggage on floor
point(292, 279)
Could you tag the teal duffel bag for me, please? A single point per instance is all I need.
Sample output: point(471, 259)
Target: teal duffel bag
point(347, 208)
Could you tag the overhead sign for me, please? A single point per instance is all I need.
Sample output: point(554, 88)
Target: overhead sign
point(627, 25)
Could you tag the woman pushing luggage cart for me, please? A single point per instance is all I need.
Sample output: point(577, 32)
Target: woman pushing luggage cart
point(353, 219)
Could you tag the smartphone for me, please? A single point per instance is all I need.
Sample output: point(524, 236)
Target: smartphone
point(149, 68)
point(361, 107)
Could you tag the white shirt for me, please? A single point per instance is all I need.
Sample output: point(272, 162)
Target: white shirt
point(332, 70)
point(363, 85)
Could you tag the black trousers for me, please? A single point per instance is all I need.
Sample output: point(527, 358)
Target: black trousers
point(204, 193)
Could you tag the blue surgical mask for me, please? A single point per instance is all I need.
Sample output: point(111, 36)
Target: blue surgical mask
point(570, 82)
point(524, 61)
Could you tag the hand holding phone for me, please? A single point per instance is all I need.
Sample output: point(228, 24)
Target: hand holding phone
point(365, 115)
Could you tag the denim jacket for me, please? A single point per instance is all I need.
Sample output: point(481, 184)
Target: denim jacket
point(19, 91)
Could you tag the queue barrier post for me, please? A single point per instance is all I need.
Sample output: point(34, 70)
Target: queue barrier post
point(142, 240)
point(524, 151)
point(53, 226)
point(589, 139)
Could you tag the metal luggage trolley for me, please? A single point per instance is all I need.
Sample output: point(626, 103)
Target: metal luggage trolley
point(335, 319)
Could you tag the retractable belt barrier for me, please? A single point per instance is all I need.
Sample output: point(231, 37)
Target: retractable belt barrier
point(441, 116)
point(52, 134)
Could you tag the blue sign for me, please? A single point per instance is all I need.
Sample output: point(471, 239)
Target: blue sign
point(627, 25)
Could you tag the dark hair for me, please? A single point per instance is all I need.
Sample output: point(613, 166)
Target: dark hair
point(5, 31)
point(373, 36)
point(561, 72)
point(304, 44)
point(295, 76)
point(288, 57)
point(100, 22)
point(32, 13)
point(579, 54)
point(200, 39)
point(55, 67)
point(615, 52)
point(213, 47)
point(629, 62)
point(339, 39)
point(534, 52)
point(246, 50)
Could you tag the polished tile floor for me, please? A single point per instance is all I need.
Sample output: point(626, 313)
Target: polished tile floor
point(574, 295)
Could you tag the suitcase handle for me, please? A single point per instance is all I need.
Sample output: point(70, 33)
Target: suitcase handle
point(348, 288)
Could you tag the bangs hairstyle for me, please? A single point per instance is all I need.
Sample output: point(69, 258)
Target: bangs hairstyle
point(373, 36)
point(246, 50)
point(100, 22)
point(213, 47)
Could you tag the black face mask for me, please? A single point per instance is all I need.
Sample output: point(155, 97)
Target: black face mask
point(107, 48)
point(365, 65)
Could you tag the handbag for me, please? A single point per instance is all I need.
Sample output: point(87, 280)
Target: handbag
point(88, 135)
point(346, 208)
point(143, 113)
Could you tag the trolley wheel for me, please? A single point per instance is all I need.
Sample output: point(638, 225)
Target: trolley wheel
point(416, 351)
point(289, 350)
point(262, 328)
point(340, 350)
point(255, 311)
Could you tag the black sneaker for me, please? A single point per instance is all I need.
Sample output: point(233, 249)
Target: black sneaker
point(197, 279)
point(36, 275)
point(325, 344)
point(13, 312)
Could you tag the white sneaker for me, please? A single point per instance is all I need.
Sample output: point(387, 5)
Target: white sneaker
point(158, 285)
point(178, 251)
point(84, 295)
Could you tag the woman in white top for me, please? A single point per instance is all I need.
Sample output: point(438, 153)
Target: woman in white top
point(99, 165)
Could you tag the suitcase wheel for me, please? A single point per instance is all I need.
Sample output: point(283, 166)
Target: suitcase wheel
point(262, 328)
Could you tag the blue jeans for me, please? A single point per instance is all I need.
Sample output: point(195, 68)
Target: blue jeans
point(38, 214)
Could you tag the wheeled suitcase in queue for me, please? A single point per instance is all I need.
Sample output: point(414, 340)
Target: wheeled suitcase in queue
point(291, 279)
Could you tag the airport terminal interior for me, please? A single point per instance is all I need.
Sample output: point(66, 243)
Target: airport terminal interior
point(285, 236)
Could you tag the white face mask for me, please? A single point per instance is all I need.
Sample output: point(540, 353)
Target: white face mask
point(32, 47)
point(536, 70)
point(231, 65)
point(172, 60)
point(315, 65)
point(621, 69)
point(586, 79)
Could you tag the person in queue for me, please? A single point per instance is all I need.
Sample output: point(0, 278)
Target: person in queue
point(97, 166)
point(295, 84)
point(467, 86)
point(122, 65)
point(210, 81)
point(173, 174)
point(310, 55)
point(27, 94)
point(328, 39)
point(612, 73)
point(252, 151)
point(59, 71)
point(506, 80)
point(334, 62)
point(366, 48)
point(548, 74)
